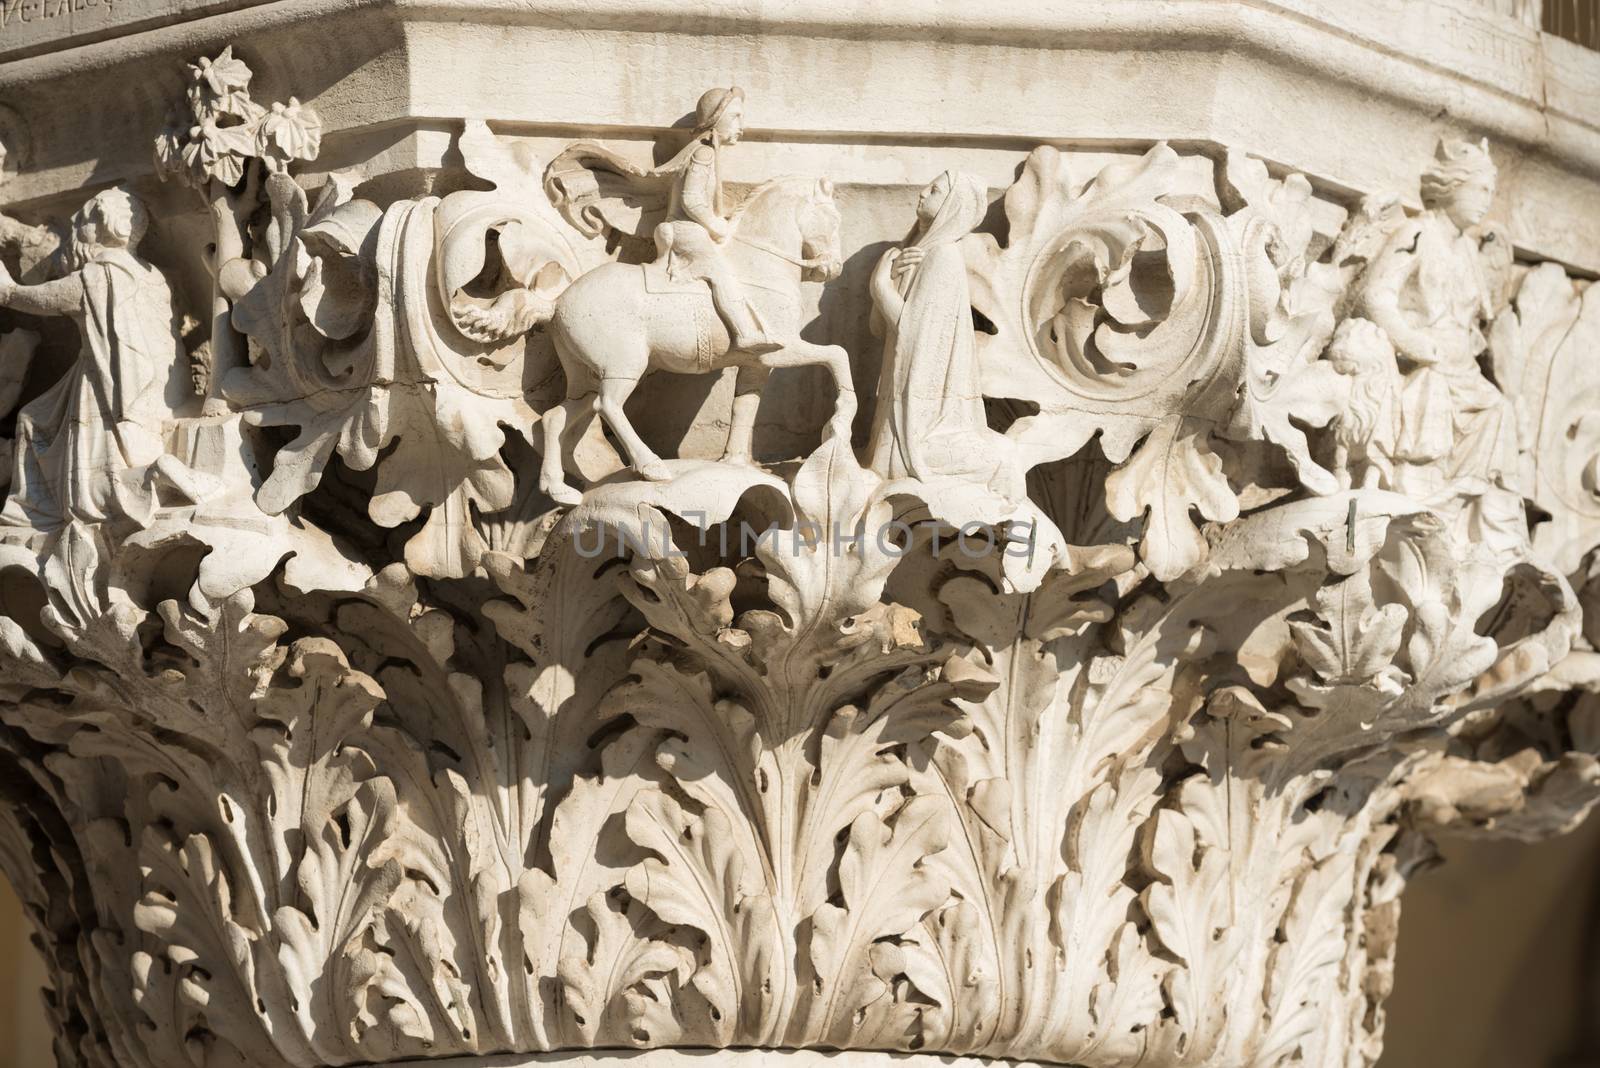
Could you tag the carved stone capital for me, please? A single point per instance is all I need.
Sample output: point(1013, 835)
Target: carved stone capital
point(660, 571)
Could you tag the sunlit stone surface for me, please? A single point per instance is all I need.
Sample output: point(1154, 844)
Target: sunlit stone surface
point(805, 536)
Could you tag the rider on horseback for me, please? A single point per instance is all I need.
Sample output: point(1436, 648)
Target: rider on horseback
point(681, 201)
point(616, 322)
point(691, 239)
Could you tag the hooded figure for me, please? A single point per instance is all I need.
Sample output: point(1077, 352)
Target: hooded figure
point(930, 422)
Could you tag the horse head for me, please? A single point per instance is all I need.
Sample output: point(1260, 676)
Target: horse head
point(819, 234)
point(796, 218)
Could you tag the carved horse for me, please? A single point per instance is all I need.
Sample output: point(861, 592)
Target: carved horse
point(619, 321)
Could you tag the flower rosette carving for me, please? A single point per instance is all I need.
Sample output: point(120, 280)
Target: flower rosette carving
point(1169, 333)
point(1104, 305)
point(1114, 313)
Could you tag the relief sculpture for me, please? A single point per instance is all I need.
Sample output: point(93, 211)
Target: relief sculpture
point(615, 324)
point(380, 681)
point(930, 420)
point(1432, 290)
point(95, 447)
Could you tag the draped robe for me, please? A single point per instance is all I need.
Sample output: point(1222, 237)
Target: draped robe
point(931, 423)
point(84, 447)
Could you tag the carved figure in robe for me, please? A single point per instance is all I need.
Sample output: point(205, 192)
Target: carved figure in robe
point(930, 422)
point(92, 447)
point(1431, 289)
point(697, 225)
point(33, 249)
point(16, 355)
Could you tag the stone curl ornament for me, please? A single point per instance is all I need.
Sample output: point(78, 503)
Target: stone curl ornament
point(377, 702)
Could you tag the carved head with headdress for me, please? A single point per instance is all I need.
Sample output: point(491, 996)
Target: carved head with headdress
point(949, 208)
point(113, 218)
point(720, 112)
point(1460, 182)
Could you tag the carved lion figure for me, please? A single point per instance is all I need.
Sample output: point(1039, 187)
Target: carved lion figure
point(1366, 431)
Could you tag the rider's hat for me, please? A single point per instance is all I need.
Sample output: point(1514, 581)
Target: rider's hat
point(713, 102)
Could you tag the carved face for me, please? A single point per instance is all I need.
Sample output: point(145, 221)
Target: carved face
point(85, 231)
point(933, 198)
point(730, 127)
point(1470, 203)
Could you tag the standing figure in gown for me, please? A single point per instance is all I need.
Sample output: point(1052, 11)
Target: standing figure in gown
point(930, 422)
point(92, 448)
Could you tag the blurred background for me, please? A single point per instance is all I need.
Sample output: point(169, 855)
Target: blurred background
point(1499, 963)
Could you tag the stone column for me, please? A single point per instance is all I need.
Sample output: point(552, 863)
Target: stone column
point(843, 533)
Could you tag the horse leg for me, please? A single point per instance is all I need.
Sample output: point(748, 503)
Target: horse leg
point(804, 354)
point(614, 392)
point(746, 401)
point(566, 420)
point(552, 477)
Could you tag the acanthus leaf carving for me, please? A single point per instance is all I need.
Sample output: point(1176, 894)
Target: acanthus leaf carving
point(402, 700)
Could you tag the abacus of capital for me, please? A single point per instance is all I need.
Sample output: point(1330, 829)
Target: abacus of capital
point(592, 533)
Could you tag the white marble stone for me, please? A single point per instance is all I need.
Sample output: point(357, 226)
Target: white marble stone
point(705, 1058)
point(839, 535)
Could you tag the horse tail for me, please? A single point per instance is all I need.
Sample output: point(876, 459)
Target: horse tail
point(513, 313)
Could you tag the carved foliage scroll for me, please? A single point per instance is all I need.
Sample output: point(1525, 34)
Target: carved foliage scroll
point(390, 757)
